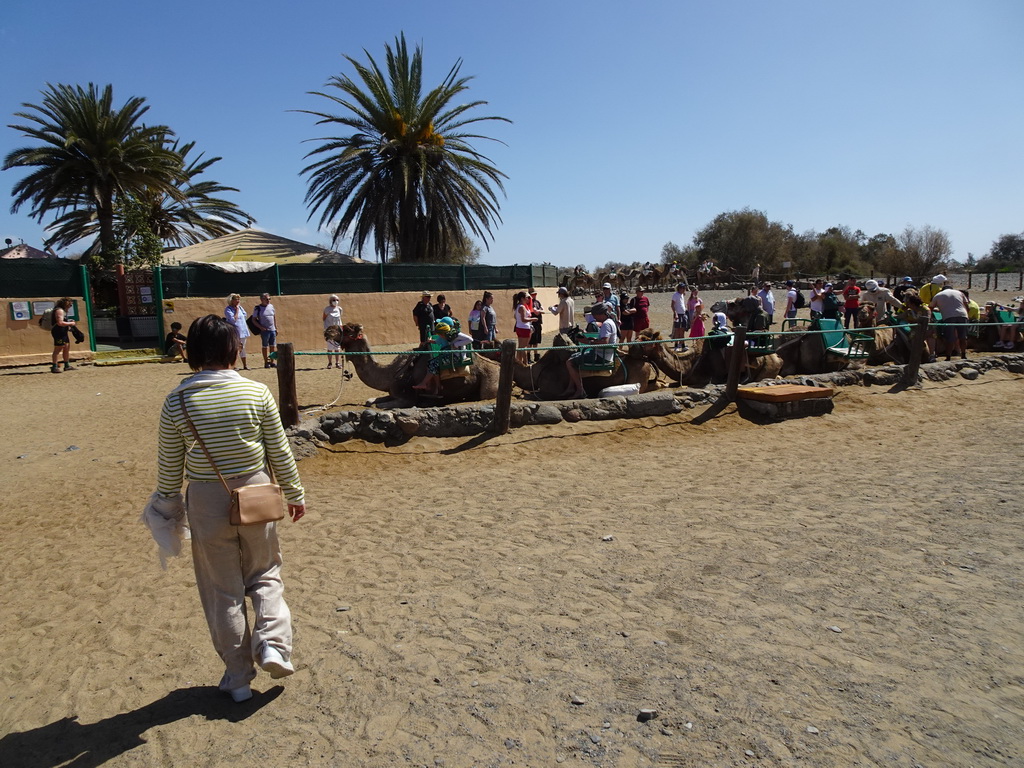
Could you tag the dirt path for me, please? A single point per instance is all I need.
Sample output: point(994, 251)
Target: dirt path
point(451, 601)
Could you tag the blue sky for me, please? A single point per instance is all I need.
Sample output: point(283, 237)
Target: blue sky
point(633, 124)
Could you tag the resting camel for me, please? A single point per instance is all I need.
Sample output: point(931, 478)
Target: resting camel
point(403, 371)
point(709, 366)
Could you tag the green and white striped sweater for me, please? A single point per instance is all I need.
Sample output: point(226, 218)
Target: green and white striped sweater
point(236, 418)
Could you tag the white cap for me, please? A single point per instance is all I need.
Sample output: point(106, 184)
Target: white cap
point(871, 285)
point(939, 279)
point(607, 285)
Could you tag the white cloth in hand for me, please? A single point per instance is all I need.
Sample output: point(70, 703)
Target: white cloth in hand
point(165, 518)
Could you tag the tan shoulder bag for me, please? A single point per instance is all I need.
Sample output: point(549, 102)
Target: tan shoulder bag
point(250, 504)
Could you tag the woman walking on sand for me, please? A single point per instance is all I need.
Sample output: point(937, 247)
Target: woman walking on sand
point(239, 425)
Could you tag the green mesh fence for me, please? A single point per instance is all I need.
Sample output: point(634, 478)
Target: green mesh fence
point(199, 280)
point(30, 278)
point(56, 277)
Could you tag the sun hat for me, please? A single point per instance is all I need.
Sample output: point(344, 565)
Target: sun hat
point(939, 279)
point(607, 285)
point(532, 291)
point(426, 293)
point(871, 285)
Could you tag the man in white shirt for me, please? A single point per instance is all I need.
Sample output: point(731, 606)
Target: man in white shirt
point(952, 305)
point(607, 334)
point(791, 294)
point(565, 309)
point(680, 322)
point(264, 316)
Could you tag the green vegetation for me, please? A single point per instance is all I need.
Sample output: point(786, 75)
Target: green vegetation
point(404, 174)
point(90, 158)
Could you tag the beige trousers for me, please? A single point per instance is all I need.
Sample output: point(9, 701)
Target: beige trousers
point(231, 563)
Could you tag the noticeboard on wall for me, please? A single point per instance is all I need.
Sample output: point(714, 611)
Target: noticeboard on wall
point(20, 310)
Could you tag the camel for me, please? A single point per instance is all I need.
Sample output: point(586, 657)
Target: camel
point(710, 365)
point(714, 277)
point(653, 278)
point(403, 371)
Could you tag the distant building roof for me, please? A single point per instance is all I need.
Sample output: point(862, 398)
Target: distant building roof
point(254, 245)
point(24, 252)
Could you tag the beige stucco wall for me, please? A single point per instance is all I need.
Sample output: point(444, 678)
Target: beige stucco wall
point(386, 318)
point(23, 342)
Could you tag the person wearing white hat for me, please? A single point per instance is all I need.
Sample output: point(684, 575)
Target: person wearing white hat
point(565, 309)
point(878, 298)
point(613, 301)
point(928, 291)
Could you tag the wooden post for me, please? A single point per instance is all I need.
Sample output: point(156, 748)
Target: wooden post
point(969, 276)
point(503, 402)
point(995, 282)
point(1020, 280)
point(736, 362)
point(287, 398)
point(988, 277)
point(916, 350)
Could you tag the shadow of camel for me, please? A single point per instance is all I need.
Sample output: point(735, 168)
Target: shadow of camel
point(68, 743)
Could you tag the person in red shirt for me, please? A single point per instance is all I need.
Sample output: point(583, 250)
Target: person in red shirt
point(851, 304)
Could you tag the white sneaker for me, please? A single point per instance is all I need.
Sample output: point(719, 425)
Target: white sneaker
point(238, 695)
point(273, 662)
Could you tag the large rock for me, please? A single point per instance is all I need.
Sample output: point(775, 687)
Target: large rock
point(660, 403)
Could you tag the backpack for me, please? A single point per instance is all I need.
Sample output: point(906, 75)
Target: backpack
point(830, 302)
point(46, 319)
point(250, 321)
point(801, 300)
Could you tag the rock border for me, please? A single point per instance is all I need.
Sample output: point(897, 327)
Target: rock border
point(394, 427)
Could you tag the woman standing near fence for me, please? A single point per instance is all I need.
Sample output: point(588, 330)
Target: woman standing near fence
point(332, 318)
point(234, 313)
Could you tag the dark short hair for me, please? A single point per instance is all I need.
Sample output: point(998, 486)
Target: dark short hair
point(212, 342)
point(175, 326)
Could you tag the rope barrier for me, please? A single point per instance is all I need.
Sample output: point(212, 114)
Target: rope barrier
point(803, 332)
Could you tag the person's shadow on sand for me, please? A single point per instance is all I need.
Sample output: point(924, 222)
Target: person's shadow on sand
point(67, 742)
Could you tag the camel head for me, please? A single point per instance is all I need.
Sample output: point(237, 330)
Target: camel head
point(352, 338)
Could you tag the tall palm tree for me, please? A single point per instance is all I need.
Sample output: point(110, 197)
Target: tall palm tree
point(190, 216)
point(408, 175)
point(88, 153)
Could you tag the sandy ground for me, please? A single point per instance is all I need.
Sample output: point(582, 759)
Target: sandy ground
point(836, 591)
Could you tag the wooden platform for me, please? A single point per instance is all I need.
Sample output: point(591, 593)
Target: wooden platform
point(783, 393)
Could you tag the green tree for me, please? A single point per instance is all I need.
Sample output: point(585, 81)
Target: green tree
point(1007, 253)
point(190, 216)
point(741, 239)
point(87, 153)
point(136, 245)
point(407, 175)
point(919, 252)
point(839, 251)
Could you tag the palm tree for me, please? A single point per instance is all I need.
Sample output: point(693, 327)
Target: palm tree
point(89, 153)
point(190, 216)
point(408, 174)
